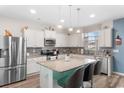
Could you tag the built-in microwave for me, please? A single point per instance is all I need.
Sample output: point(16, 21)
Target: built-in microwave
point(49, 42)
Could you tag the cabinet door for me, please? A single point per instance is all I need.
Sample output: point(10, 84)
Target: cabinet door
point(1, 31)
point(105, 38)
point(65, 38)
point(62, 40)
point(53, 34)
point(101, 39)
point(50, 34)
point(47, 34)
point(35, 38)
point(108, 37)
point(39, 39)
point(75, 40)
point(59, 40)
point(30, 38)
point(32, 67)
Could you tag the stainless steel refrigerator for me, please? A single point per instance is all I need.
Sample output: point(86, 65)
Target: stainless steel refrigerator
point(13, 61)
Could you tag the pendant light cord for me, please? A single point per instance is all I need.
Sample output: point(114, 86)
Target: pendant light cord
point(78, 9)
point(70, 16)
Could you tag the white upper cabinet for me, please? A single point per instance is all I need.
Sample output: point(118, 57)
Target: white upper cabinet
point(73, 40)
point(34, 38)
point(108, 37)
point(50, 34)
point(105, 38)
point(61, 40)
point(39, 39)
point(76, 40)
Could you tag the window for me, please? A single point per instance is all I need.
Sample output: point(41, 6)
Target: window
point(91, 42)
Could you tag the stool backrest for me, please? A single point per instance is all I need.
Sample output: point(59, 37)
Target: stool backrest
point(76, 79)
point(97, 68)
point(89, 71)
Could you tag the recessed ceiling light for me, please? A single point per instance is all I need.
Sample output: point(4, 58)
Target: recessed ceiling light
point(70, 29)
point(59, 26)
point(92, 15)
point(62, 20)
point(78, 31)
point(33, 11)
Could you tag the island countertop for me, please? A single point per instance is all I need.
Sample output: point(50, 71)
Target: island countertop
point(60, 65)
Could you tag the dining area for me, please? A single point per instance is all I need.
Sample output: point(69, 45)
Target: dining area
point(76, 72)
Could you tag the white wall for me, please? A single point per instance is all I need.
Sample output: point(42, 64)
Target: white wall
point(15, 25)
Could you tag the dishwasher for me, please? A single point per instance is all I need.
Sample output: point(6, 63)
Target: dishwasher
point(107, 65)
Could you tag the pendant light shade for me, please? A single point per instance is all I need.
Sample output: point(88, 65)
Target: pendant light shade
point(60, 26)
point(60, 19)
point(70, 29)
point(70, 21)
point(78, 30)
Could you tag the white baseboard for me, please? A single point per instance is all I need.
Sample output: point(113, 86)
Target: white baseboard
point(118, 73)
point(35, 73)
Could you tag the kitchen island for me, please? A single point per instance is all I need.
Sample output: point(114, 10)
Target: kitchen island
point(51, 70)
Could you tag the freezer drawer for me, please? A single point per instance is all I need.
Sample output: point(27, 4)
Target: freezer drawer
point(14, 74)
point(7, 75)
point(21, 73)
point(4, 76)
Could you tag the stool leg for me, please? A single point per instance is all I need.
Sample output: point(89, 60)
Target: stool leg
point(82, 85)
point(92, 83)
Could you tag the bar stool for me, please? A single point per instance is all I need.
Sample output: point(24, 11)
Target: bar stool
point(73, 80)
point(97, 68)
point(88, 75)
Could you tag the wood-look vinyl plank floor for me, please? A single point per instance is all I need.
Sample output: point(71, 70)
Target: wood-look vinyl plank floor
point(100, 81)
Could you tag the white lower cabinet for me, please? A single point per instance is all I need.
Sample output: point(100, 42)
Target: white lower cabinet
point(32, 66)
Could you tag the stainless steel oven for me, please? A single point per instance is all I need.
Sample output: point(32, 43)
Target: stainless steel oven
point(49, 42)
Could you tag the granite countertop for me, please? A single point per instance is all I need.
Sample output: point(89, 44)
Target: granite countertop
point(34, 55)
point(61, 65)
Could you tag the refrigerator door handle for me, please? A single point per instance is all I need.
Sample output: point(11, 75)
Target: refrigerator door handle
point(25, 50)
point(10, 55)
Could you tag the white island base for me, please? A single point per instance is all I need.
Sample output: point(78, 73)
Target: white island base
point(47, 69)
point(46, 78)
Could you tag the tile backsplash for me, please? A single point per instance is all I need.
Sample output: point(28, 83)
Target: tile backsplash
point(73, 50)
point(62, 50)
point(32, 50)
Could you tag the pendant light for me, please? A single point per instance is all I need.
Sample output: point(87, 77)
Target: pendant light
point(70, 21)
point(60, 20)
point(60, 14)
point(78, 30)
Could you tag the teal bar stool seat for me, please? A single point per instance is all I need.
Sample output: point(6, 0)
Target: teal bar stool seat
point(73, 80)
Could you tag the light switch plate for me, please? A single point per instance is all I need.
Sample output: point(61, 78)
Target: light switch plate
point(116, 50)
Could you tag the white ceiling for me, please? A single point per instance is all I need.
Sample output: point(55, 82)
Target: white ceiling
point(50, 13)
